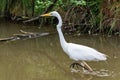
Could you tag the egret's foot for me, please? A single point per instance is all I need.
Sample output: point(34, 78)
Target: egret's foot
point(83, 64)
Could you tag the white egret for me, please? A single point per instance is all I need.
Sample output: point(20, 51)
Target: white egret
point(75, 51)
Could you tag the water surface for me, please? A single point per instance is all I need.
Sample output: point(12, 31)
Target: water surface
point(43, 59)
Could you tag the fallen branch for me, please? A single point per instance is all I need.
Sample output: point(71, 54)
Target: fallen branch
point(24, 35)
point(32, 19)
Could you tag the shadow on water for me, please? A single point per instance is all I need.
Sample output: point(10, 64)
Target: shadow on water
point(43, 59)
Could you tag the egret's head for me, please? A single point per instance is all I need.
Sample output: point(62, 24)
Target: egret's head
point(54, 13)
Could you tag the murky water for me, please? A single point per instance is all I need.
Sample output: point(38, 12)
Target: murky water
point(43, 59)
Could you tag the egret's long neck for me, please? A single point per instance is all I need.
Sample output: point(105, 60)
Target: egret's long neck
point(61, 36)
point(62, 39)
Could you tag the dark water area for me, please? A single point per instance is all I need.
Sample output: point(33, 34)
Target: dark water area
point(42, 58)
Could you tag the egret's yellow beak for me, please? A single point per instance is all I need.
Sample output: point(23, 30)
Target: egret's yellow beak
point(47, 14)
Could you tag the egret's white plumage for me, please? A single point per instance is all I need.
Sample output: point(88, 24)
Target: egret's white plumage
point(84, 53)
point(75, 51)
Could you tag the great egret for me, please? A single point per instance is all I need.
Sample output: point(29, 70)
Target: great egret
point(75, 51)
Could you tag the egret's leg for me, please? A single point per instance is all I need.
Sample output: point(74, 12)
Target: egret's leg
point(83, 64)
point(86, 66)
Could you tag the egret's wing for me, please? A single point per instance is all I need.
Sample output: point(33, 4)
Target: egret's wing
point(80, 52)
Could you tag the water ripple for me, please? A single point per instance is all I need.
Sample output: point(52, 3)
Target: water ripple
point(100, 73)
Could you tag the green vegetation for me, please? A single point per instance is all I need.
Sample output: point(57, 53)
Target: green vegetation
point(81, 16)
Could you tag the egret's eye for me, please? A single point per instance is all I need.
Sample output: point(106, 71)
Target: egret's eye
point(51, 14)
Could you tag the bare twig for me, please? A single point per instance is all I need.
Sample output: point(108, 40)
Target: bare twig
point(24, 35)
point(32, 19)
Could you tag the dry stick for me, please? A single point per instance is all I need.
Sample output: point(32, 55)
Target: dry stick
point(33, 19)
point(26, 32)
